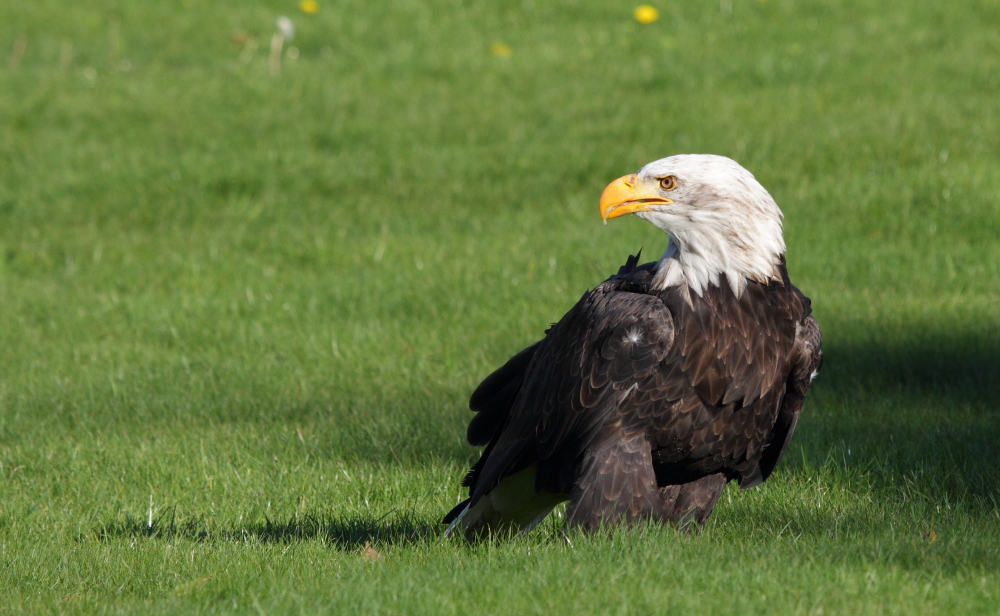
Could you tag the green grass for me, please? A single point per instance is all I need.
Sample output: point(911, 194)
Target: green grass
point(240, 316)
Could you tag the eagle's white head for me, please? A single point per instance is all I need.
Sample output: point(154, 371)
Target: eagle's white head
point(719, 218)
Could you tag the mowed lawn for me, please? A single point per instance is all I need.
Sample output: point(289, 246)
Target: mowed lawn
point(241, 313)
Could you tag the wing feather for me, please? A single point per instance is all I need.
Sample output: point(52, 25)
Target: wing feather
point(493, 398)
point(808, 361)
point(578, 377)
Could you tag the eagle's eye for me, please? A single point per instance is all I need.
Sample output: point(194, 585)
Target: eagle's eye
point(668, 182)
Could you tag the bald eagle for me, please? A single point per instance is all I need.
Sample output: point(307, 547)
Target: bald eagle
point(662, 384)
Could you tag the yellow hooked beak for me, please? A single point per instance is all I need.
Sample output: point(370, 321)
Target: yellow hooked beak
point(623, 197)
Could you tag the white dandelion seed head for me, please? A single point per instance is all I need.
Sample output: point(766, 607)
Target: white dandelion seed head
point(285, 27)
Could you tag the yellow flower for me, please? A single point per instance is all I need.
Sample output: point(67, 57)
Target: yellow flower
point(500, 50)
point(646, 14)
point(309, 6)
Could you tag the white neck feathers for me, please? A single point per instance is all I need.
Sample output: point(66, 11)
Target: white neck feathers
point(697, 271)
point(721, 221)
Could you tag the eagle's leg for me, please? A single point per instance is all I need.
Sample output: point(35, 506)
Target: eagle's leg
point(615, 483)
point(690, 504)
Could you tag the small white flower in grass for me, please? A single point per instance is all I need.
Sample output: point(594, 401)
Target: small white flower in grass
point(285, 27)
point(286, 32)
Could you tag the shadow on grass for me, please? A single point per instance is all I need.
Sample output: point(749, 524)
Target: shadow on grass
point(342, 532)
point(963, 366)
point(922, 408)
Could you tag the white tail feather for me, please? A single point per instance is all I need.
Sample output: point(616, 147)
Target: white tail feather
point(455, 522)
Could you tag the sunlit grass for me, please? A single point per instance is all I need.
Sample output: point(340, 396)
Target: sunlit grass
point(242, 314)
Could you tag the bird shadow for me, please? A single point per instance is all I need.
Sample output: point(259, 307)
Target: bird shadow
point(923, 408)
point(963, 366)
point(343, 532)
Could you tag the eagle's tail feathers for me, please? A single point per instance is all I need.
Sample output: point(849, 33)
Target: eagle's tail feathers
point(457, 519)
point(530, 526)
point(512, 506)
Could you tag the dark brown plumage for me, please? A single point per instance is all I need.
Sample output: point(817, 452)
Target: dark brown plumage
point(660, 385)
point(639, 405)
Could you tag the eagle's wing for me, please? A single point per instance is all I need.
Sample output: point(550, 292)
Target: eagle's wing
point(493, 398)
point(495, 395)
point(808, 359)
point(587, 365)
